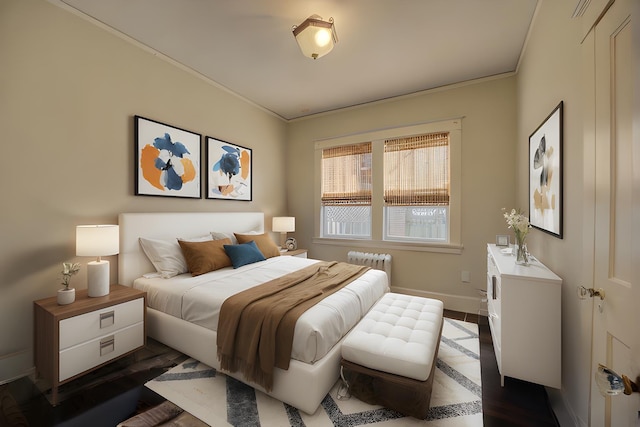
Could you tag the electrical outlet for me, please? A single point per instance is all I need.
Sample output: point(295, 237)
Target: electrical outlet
point(465, 276)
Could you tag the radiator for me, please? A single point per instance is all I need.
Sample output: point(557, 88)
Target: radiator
point(376, 261)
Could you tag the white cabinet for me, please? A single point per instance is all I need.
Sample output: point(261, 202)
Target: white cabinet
point(524, 304)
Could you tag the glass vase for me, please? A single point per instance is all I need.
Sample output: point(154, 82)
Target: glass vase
point(522, 256)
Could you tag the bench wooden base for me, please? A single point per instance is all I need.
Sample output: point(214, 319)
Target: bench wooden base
point(405, 395)
point(404, 390)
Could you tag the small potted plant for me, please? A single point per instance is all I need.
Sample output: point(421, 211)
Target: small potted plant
point(67, 295)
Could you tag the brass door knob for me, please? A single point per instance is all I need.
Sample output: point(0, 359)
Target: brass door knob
point(583, 292)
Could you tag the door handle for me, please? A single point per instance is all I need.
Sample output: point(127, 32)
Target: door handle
point(583, 293)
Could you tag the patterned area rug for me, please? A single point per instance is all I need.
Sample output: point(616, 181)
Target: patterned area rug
point(219, 400)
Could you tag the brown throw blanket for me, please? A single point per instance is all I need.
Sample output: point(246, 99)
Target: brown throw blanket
point(255, 327)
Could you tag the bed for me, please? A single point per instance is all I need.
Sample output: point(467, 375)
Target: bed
point(182, 311)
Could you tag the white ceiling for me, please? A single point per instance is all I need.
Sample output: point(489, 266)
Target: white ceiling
point(386, 48)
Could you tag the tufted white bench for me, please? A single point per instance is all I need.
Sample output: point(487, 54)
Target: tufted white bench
point(389, 357)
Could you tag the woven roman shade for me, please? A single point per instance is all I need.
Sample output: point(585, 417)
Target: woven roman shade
point(416, 170)
point(346, 175)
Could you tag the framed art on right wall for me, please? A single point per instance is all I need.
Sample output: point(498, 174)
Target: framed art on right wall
point(545, 174)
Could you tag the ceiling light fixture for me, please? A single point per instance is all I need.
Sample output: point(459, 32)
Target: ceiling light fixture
point(315, 37)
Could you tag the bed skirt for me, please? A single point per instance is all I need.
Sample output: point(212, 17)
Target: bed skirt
point(303, 385)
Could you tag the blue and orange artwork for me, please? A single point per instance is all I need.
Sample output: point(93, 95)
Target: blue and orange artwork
point(166, 165)
point(230, 173)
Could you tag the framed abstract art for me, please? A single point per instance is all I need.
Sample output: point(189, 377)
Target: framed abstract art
point(167, 160)
point(229, 170)
point(545, 174)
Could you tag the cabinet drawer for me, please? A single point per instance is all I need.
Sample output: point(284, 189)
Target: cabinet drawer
point(494, 326)
point(493, 307)
point(492, 269)
point(77, 359)
point(78, 329)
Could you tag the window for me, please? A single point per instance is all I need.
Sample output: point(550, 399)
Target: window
point(416, 187)
point(401, 187)
point(346, 191)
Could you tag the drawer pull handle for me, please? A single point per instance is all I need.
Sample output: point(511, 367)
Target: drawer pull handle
point(107, 319)
point(494, 287)
point(107, 345)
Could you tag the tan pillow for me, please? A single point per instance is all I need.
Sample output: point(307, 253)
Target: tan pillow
point(203, 257)
point(264, 242)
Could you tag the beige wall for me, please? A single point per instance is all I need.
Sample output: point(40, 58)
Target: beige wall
point(68, 94)
point(488, 134)
point(551, 71)
point(69, 90)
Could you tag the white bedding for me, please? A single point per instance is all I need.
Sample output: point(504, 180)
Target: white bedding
point(198, 300)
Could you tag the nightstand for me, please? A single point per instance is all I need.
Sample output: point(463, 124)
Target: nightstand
point(72, 340)
point(300, 253)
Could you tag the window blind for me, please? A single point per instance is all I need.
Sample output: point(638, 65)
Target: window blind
point(416, 170)
point(346, 175)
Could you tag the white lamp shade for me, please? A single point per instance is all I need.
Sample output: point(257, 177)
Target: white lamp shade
point(97, 240)
point(283, 224)
point(315, 37)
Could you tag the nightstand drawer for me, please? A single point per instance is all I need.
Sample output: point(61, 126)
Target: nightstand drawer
point(77, 359)
point(78, 329)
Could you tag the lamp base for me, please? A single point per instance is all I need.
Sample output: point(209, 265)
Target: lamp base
point(98, 278)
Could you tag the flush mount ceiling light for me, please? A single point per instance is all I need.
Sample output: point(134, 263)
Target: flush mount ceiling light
point(315, 36)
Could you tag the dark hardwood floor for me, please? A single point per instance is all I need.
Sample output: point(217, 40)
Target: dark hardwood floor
point(116, 392)
point(518, 403)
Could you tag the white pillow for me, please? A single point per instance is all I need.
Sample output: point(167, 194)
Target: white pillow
point(219, 235)
point(166, 255)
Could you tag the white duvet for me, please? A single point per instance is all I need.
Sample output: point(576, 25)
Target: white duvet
point(198, 300)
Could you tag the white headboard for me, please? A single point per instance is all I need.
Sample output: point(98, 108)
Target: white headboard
point(132, 261)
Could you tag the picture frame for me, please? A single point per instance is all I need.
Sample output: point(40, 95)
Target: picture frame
point(546, 174)
point(229, 170)
point(167, 160)
point(503, 240)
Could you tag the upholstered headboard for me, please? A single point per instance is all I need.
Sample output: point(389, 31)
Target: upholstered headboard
point(132, 261)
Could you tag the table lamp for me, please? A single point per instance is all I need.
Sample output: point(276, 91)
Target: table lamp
point(98, 241)
point(282, 225)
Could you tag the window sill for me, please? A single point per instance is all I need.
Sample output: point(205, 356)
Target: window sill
point(446, 248)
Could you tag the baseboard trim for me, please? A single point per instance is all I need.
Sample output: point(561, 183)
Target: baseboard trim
point(464, 304)
point(562, 410)
point(15, 365)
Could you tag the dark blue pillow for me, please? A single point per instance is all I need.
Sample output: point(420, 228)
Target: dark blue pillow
point(244, 253)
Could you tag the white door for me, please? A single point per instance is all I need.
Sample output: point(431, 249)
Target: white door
point(616, 332)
